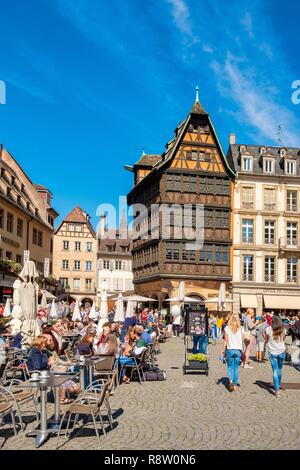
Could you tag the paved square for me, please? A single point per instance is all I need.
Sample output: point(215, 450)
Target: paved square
point(193, 411)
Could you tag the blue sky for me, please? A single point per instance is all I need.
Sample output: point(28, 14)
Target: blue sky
point(90, 83)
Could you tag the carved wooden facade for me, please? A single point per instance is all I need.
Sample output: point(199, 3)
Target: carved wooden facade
point(192, 171)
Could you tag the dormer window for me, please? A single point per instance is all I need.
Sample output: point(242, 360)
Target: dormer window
point(268, 165)
point(290, 167)
point(247, 163)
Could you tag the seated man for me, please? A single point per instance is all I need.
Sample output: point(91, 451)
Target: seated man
point(134, 348)
point(144, 334)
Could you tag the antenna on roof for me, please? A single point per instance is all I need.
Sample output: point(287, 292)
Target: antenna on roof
point(279, 133)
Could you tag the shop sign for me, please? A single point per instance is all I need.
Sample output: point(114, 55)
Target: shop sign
point(9, 241)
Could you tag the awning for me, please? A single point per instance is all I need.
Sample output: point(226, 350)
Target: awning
point(248, 301)
point(282, 301)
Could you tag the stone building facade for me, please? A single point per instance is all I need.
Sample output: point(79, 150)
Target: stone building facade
point(192, 171)
point(266, 225)
point(75, 257)
point(26, 218)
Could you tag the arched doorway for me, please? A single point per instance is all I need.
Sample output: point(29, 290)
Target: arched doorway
point(198, 297)
point(86, 302)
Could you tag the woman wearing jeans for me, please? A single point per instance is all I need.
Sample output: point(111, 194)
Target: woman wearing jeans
point(233, 345)
point(274, 336)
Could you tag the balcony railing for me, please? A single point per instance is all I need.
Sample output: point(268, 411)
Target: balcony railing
point(247, 205)
point(291, 207)
point(269, 206)
point(291, 279)
point(248, 277)
point(269, 277)
point(269, 241)
point(289, 243)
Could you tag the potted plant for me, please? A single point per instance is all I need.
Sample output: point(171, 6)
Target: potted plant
point(197, 361)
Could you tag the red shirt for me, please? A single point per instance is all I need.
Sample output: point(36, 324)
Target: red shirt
point(144, 316)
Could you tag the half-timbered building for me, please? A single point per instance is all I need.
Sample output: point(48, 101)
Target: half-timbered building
point(192, 171)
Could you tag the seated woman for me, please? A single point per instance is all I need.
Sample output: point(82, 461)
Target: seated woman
point(109, 346)
point(37, 358)
point(69, 387)
point(85, 347)
point(99, 342)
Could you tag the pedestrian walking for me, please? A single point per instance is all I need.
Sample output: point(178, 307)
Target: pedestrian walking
point(260, 340)
point(274, 337)
point(176, 325)
point(233, 347)
point(249, 336)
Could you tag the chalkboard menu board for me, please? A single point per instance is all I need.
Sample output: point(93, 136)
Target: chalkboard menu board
point(196, 320)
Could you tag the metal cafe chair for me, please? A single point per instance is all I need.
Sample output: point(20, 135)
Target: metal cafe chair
point(137, 366)
point(6, 408)
point(94, 391)
point(85, 405)
point(18, 398)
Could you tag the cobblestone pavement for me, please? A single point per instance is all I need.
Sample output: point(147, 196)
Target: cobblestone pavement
point(192, 411)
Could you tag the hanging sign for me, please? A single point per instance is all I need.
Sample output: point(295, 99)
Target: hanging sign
point(26, 256)
point(46, 267)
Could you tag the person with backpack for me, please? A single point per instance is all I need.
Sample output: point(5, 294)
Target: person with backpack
point(274, 337)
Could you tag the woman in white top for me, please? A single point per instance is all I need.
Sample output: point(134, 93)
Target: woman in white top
point(176, 325)
point(274, 336)
point(233, 345)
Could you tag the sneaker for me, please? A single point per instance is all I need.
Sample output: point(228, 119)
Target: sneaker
point(247, 366)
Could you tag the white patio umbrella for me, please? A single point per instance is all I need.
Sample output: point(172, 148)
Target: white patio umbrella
point(139, 298)
point(6, 312)
point(181, 291)
point(103, 313)
point(103, 305)
point(16, 295)
point(119, 315)
point(222, 296)
point(53, 311)
point(29, 300)
point(214, 300)
point(76, 312)
point(181, 297)
point(186, 300)
point(93, 315)
point(129, 309)
point(44, 300)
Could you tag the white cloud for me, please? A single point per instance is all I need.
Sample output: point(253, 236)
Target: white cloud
point(207, 48)
point(247, 22)
point(256, 103)
point(181, 16)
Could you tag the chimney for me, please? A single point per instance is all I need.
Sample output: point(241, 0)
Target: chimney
point(232, 139)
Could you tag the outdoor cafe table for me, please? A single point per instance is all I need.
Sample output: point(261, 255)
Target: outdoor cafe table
point(54, 381)
point(88, 363)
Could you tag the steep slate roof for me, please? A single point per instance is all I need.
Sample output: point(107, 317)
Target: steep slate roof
point(172, 145)
point(148, 160)
point(77, 215)
point(234, 154)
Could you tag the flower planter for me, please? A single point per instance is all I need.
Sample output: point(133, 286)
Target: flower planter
point(198, 365)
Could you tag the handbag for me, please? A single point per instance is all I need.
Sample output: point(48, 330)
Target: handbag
point(247, 335)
